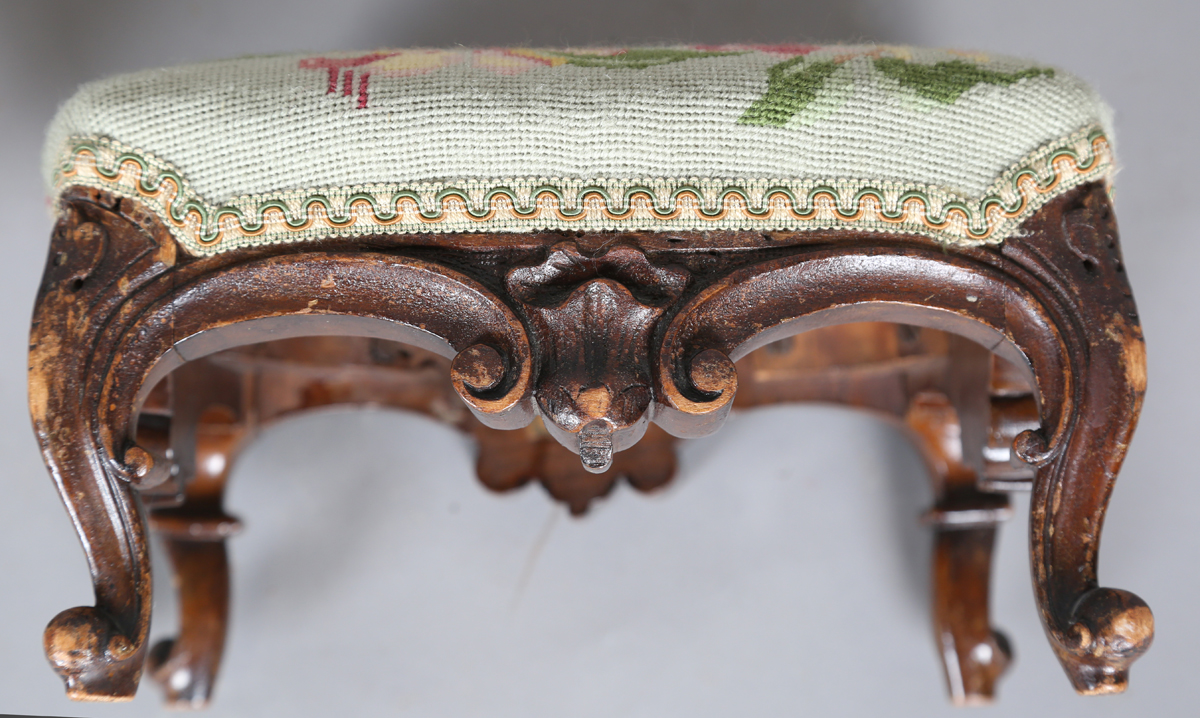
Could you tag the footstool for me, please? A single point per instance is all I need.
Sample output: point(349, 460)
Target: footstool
point(568, 252)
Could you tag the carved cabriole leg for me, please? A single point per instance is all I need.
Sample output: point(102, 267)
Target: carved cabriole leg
point(1096, 632)
point(1055, 300)
point(116, 313)
point(939, 385)
point(208, 429)
point(186, 667)
point(965, 521)
point(219, 303)
point(101, 254)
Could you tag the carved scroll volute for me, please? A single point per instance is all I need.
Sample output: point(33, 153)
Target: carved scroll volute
point(355, 293)
point(916, 285)
point(1055, 299)
point(594, 317)
point(696, 382)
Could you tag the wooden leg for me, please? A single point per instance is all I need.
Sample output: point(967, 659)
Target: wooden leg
point(99, 254)
point(600, 339)
point(964, 519)
point(186, 666)
point(1096, 632)
point(116, 313)
point(208, 431)
point(97, 650)
point(1055, 300)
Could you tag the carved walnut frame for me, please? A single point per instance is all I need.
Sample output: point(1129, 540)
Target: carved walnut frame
point(599, 334)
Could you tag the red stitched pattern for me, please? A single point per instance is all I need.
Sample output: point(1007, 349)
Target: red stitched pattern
point(502, 61)
point(362, 89)
point(334, 65)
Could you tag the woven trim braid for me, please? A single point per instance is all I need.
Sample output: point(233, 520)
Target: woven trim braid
point(533, 204)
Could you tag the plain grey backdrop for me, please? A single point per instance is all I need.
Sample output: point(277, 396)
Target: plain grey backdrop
point(784, 573)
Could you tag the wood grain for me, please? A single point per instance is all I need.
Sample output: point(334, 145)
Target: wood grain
point(573, 359)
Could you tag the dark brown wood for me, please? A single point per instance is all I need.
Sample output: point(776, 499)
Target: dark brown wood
point(102, 254)
point(216, 405)
point(1014, 410)
point(594, 336)
point(909, 373)
point(594, 316)
point(974, 654)
point(1071, 250)
point(507, 462)
point(207, 411)
point(270, 381)
point(1056, 298)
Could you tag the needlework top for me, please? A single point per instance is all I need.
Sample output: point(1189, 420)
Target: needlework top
point(954, 145)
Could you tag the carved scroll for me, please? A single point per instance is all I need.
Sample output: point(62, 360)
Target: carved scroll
point(595, 317)
point(600, 342)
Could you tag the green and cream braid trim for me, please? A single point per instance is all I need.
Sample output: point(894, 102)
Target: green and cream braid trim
point(533, 204)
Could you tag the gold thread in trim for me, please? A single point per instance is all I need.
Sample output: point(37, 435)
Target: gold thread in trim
point(205, 229)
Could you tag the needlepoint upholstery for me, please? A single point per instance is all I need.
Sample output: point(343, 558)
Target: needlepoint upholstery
point(959, 147)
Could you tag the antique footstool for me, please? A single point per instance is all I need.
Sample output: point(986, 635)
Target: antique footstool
point(579, 245)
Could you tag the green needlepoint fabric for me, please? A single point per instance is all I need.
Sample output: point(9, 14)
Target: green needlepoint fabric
point(960, 147)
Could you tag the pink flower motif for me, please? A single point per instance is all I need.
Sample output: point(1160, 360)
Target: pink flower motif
point(351, 71)
point(334, 65)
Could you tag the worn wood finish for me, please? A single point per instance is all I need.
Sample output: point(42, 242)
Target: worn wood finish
point(1058, 297)
point(102, 254)
point(1072, 253)
point(964, 520)
point(207, 410)
point(882, 367)
point(601, 335)
point(594, 316)
point(944, 390)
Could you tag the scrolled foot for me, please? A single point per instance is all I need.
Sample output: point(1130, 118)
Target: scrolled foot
point(1109, 630)
point(979, 668)
point(1032, 447)
point(95, 659)
point(184, 687)
point(1002, 652)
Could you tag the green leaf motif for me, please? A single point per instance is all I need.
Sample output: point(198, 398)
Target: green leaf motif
point(945, 82)
point(637, 59)
point(788, 92)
